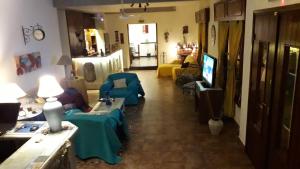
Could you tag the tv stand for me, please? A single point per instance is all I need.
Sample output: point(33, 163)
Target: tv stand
point(208, 101)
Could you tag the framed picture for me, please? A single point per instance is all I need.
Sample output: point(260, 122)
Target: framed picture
point(117, 36)
point(28, 62)
point(122, 38)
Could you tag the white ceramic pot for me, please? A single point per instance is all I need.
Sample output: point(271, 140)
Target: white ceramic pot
point(215, 126)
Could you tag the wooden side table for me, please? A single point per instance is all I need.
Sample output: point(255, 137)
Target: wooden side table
point(78, 84)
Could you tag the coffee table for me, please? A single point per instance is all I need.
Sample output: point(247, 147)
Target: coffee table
point(101, 108)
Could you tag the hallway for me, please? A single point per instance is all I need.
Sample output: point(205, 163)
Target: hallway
point(165, 134)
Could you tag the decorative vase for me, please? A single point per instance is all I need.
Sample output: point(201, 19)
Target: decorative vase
point(215, 126)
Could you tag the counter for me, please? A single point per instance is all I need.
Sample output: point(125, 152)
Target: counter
point(103, 65)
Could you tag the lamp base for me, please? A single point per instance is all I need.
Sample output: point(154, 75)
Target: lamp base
point(53, 112)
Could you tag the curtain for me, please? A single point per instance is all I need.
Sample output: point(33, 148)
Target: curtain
point(198, 59)
point(222, 35)
point(235, 34)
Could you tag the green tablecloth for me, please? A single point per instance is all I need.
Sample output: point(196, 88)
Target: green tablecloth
point(99, 135)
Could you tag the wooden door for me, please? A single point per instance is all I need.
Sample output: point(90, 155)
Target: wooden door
point(285, 125)
point(260, 94)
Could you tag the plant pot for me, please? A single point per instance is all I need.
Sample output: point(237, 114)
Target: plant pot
point(215, 126)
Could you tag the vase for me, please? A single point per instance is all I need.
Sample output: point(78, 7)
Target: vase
point(215, 126)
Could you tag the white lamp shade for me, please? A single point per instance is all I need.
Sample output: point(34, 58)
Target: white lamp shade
point(49, 87)
point(10, 91)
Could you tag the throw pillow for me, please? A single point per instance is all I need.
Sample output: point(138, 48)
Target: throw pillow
point(185, 65)
point(120, 83)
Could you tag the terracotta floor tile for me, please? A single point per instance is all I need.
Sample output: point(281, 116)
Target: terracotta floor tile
point(165, 133)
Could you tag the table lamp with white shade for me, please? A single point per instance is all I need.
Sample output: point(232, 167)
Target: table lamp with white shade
point(53, 110)
point(65, 60)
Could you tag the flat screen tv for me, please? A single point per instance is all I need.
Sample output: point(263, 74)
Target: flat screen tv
point(209, 70)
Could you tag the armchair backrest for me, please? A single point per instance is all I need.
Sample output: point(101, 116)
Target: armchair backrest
point(128, 76)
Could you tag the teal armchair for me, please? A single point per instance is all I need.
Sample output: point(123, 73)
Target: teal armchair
point(99, 135)
point(131, 93)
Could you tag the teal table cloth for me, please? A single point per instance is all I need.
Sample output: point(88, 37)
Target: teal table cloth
point(99, 135)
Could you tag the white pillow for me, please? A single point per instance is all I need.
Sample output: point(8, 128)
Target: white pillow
point(120, 83)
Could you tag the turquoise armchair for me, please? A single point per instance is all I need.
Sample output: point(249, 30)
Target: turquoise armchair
point(131, 93)
point(99, 135)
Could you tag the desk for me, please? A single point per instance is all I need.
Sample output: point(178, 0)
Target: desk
point(40, 151)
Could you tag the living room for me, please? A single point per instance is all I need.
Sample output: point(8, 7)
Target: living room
point(163, 127)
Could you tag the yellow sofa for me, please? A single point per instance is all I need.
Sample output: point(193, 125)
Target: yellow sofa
point(165, 70)
point(174, 69)
point(192, 69)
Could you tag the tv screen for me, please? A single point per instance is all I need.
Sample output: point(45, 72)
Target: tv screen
point(209, 70)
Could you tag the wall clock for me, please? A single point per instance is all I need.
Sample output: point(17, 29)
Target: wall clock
point(213, 35)
point(38, 34)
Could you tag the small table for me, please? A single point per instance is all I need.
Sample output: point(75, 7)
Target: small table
point(101, 108)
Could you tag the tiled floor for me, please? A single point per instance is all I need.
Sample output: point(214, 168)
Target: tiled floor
point(144, 62)
point(165, 134)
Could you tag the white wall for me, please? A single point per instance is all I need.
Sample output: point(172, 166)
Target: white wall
point(166, 21)
point(17, 13)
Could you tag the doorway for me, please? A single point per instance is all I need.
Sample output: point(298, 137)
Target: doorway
point(273, 140)
point(143, 46)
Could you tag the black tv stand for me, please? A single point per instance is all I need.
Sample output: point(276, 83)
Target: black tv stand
point(208, 101)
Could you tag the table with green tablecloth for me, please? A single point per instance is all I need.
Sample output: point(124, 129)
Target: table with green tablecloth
point(99, 135)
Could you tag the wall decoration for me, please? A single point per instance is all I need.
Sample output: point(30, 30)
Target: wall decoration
point(213, 35)
point(116, 36)
point(166, 35)
point(28, 62)
point(185, 29)
point(146, 29)
point(122, 38)
point(36, 31)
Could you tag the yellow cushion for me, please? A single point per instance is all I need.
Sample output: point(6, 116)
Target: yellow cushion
point(190, 59)
point(165, 70)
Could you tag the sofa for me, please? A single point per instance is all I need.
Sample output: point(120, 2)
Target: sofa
point(175, 69)
point(131, 92)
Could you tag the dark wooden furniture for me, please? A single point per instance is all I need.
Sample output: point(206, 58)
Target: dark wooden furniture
point(77, 22)
point(202, 16)
point(228, 10)
point(273, 124)
point(208, 102)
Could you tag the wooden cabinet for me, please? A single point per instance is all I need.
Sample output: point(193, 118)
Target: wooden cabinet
point(77, 22)
point(219, 9)
point(202, 16)
point(227, 10)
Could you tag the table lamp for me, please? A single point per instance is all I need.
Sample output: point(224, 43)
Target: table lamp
point(65, 60)
point(10, 92)
point(53, 110)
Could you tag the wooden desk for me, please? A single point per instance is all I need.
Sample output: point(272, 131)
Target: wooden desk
point(40, 151)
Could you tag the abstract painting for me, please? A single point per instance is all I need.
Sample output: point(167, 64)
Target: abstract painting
point(28, 63)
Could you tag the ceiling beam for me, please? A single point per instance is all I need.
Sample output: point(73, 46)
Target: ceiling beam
point(72, 3)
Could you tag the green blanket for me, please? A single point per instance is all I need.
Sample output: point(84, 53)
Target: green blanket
point(99, 135)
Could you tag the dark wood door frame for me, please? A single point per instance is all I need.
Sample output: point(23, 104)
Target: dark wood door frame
point(286, 35)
